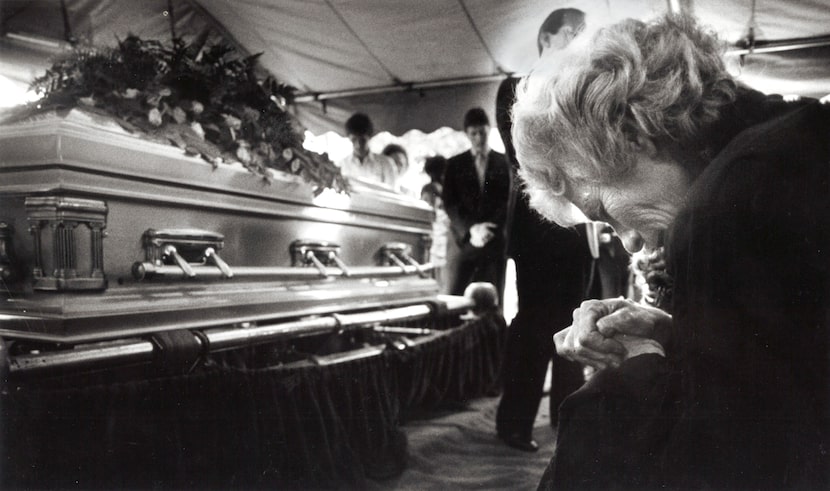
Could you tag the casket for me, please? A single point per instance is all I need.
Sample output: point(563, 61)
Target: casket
point(169, 323)
point(108, 236)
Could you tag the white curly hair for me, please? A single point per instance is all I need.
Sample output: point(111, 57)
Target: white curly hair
point(577, 111)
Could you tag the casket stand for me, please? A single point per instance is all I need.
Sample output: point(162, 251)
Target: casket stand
point(167, 323)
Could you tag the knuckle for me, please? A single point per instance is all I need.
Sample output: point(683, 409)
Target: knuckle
point(583, 339)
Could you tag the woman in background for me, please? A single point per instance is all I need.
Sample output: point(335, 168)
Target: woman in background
point(401, 159)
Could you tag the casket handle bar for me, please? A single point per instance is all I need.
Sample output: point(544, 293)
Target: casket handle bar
point(311, 258)
point(319, 254)
point(184, 248)
point(400, 254)
point(107, 354)
point(211, 256)
point(191, 253)
point(171, 252)
point(146, 270)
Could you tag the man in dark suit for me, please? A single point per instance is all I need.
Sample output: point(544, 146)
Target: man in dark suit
point(476, 191)
point(553, 273)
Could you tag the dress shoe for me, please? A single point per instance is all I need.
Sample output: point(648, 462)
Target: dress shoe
point(525, 444)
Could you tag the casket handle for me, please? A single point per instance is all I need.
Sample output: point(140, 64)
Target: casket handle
point(340, 264)
point(185, 247)
point(170, 251)
point(319, 254)
point(400, 254)
point(311, 257)
point(213, 257)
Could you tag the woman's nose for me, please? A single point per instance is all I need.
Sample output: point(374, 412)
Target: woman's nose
point(631, 239)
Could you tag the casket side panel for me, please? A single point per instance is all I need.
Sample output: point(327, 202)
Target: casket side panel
point(54, 167)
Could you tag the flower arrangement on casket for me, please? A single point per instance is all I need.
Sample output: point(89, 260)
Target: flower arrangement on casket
point(201, 98)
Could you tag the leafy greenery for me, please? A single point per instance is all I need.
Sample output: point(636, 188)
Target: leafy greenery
point(201, 98)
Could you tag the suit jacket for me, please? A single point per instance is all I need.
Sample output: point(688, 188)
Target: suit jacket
point(468, 203)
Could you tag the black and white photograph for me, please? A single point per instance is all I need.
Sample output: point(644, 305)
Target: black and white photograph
point(411, 245)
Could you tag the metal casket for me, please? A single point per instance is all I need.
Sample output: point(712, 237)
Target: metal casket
point(106, 235)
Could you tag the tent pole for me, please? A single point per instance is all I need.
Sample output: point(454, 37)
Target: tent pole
point(402, 87)
point(783, 45)
point(172, 19)
point(67, 29)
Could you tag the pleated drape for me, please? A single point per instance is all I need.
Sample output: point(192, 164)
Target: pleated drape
point(228, 427)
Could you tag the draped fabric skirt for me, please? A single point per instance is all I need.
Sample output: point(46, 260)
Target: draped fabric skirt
point(231, 424)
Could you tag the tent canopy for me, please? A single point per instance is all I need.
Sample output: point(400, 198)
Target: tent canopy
point(408, 64)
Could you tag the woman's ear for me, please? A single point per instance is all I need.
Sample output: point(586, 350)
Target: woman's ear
point(568, 34)
point(545, 40)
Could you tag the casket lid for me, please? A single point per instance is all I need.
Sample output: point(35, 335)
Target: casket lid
point(92, 143)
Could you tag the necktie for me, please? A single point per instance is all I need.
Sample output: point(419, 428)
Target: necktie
point(481, 167)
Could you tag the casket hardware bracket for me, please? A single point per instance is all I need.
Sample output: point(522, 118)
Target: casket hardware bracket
point(57, 221)
point(318, 254)
point(400, 254)
point(6, 251)
point(309, 259)
point(184, 248)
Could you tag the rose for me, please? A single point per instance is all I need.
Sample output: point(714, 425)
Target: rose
point(179, 115)
point(154, 117)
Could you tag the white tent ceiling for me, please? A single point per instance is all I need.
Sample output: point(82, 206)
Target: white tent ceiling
point(408, 63)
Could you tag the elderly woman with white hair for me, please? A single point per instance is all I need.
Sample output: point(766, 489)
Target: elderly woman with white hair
point(642, 127)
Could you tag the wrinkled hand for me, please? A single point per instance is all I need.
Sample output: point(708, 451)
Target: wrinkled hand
point(482, 233)
point(604, 333)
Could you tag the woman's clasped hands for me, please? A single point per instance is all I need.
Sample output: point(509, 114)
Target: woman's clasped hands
point(607, 332)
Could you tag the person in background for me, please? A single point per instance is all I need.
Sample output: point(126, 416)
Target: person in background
point(643, 128)
point(475, 194)
point(431, 193)
point(553, 265)
point(399, 156)
point(362, 162)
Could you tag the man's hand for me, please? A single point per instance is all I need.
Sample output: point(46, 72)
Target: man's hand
point(482, 233)
point(606, 332)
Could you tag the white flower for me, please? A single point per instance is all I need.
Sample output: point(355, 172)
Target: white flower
point(233, 123)
point(197, 128)
point(179, 115)
point(154, 117)
point(243, 155)
point(250, 114)
point(130, 93)
point(197, 107)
